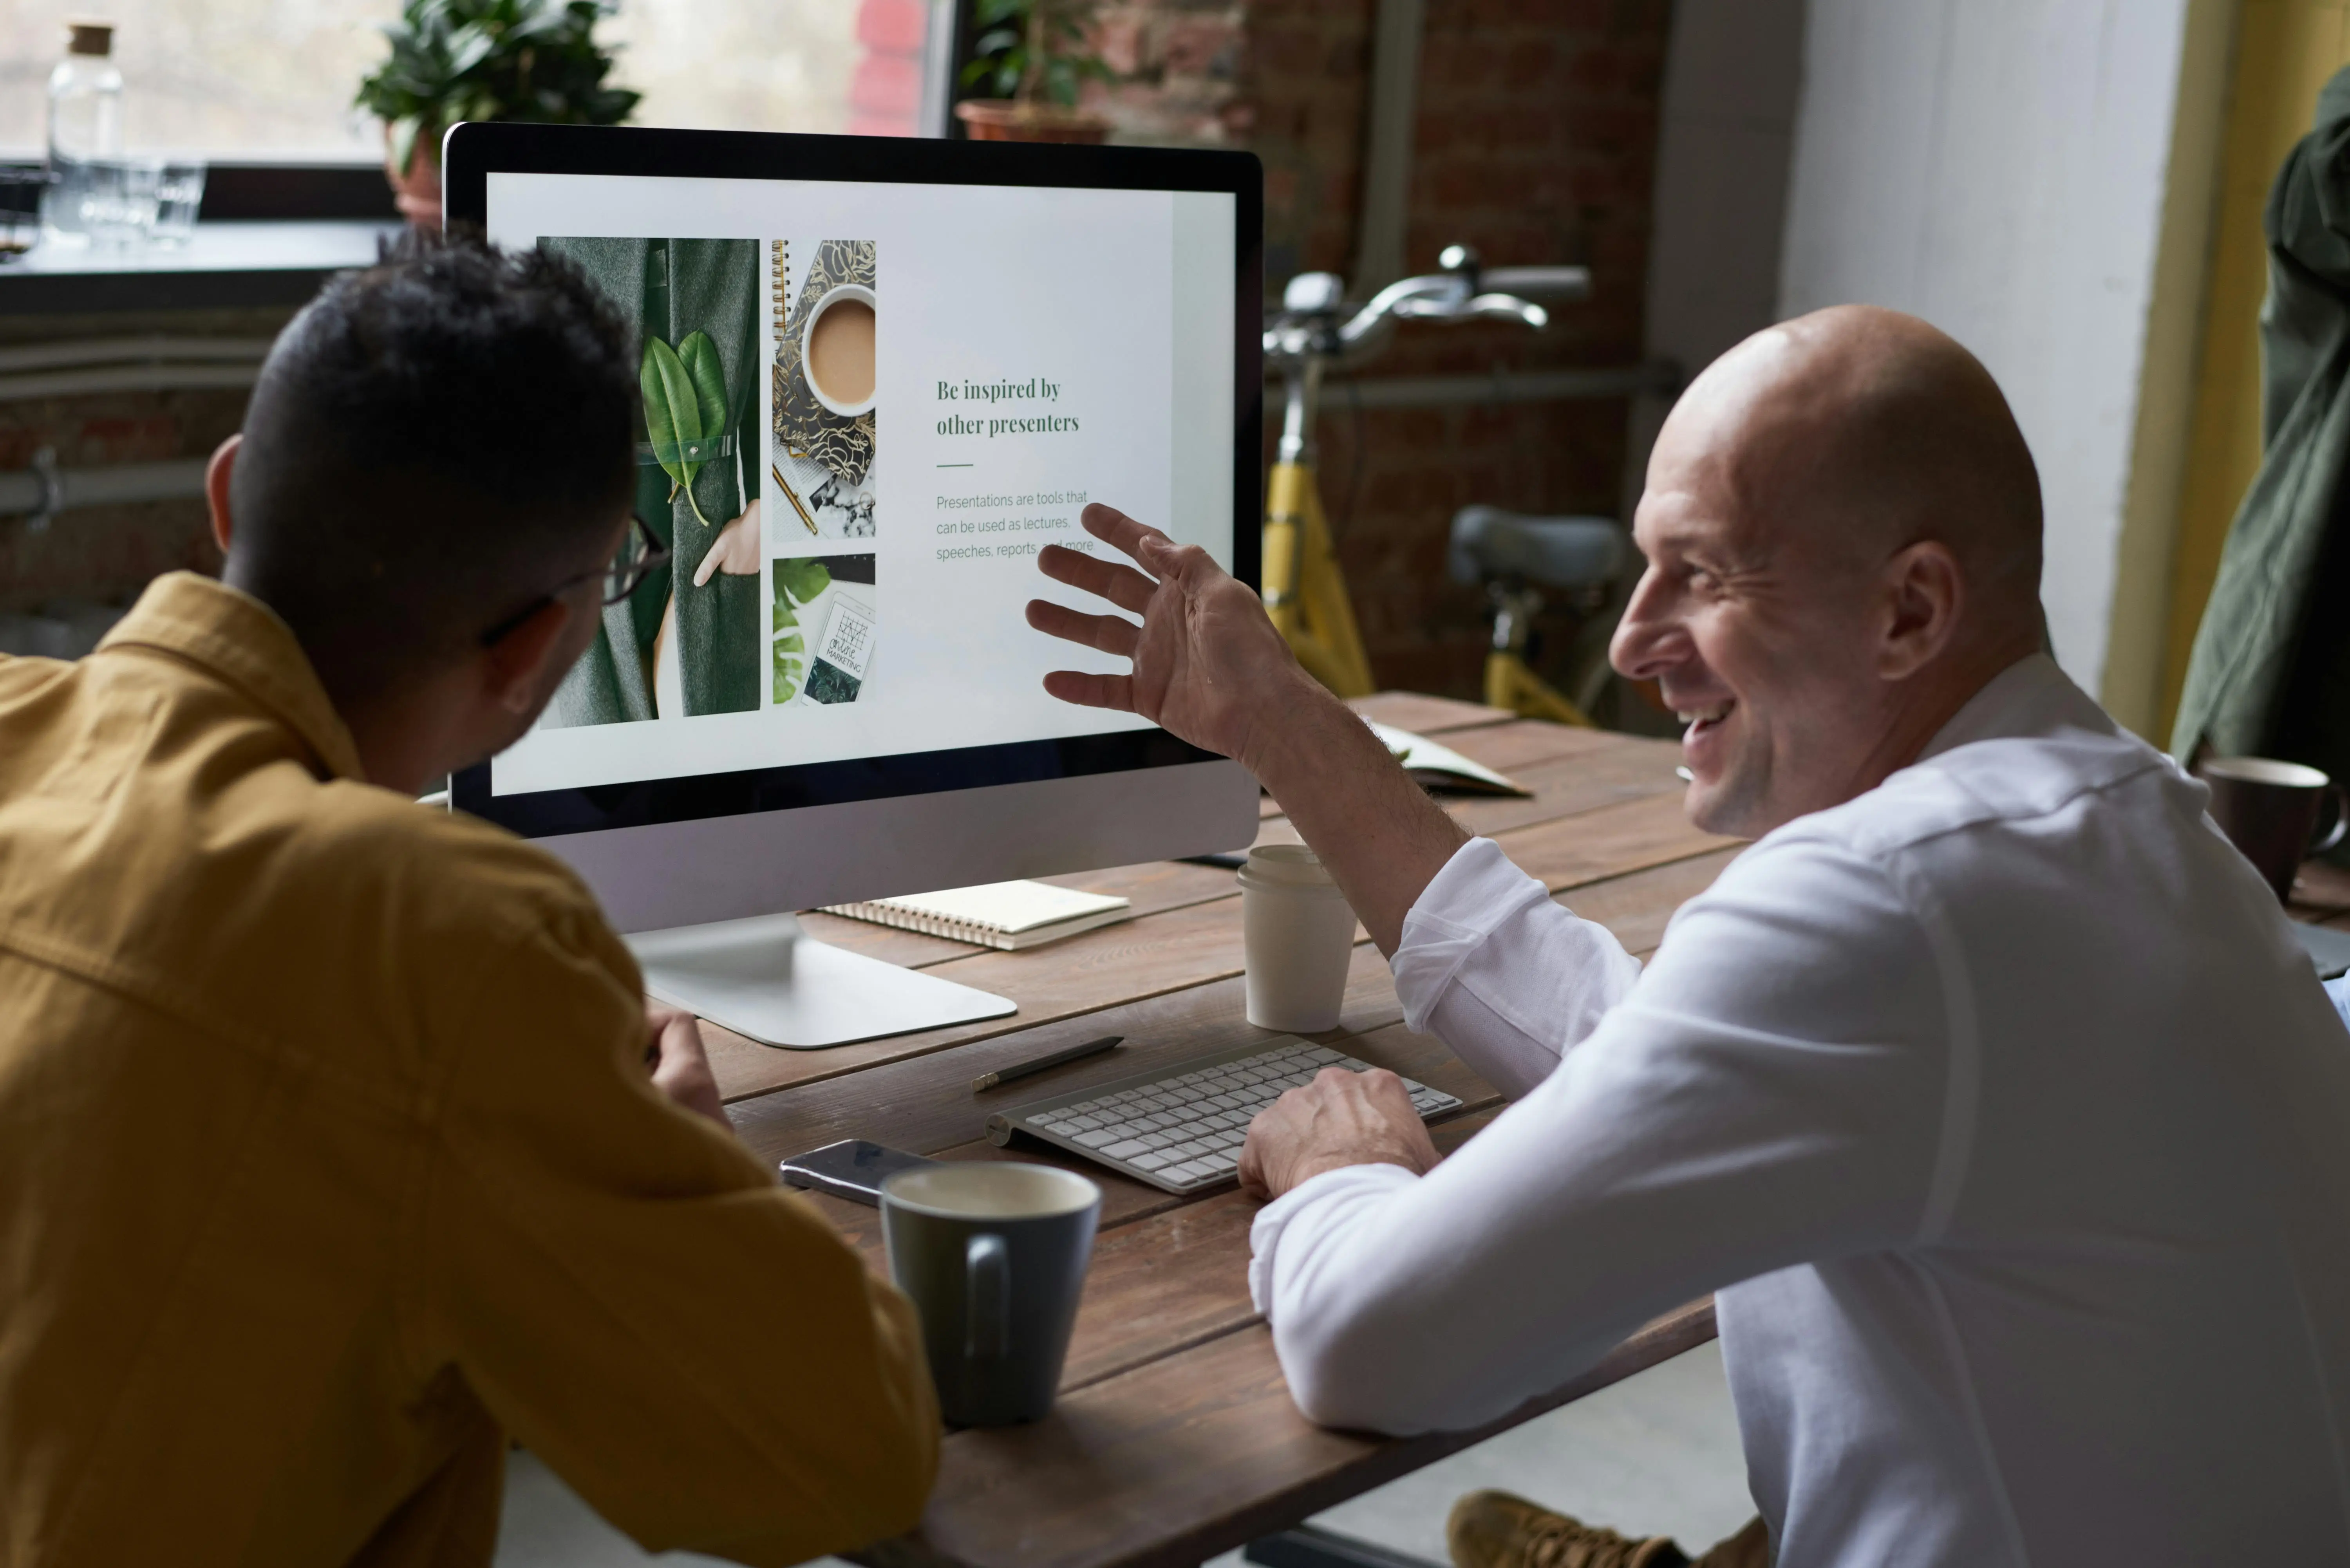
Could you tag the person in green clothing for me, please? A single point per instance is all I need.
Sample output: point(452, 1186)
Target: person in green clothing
point(689, 643)
point(2269, 675)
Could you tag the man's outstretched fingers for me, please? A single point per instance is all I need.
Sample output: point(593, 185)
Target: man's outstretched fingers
point(1109, 633)
point(1092, 691)
point(1112, 526)
point(1120, 585)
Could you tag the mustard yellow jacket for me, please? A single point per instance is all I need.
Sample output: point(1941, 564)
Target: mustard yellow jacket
point(327, 1159)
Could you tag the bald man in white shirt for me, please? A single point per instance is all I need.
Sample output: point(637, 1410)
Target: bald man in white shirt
point(1987, 1091)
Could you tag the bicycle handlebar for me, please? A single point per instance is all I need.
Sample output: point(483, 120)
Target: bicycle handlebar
point(1566, 283)
point(1463, 292)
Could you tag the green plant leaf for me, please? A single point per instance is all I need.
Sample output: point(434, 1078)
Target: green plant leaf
point(672, 416)
point(803, 580)
point(796, 583)
point(497, 59)
point(700, 356)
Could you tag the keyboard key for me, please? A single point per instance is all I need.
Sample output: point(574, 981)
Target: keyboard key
point(1187, 1174)
point(1222, 1164)
point(1149, 1161)
point(1187, 1151)
point(1095, 1138)
point(1126, 1150)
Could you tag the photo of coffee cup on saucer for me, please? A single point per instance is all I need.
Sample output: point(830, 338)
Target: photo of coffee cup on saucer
point(825, 309)
point(836, 349)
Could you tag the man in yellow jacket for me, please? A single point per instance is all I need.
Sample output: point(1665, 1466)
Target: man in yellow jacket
point(337, 1143)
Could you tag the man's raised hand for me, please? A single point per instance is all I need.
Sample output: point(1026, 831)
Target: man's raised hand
point(1207, 665)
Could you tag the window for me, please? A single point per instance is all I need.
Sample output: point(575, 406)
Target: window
point(275, 77)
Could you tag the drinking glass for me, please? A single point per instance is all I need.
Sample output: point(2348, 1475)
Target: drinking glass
point(179, 195)
point(116, 198)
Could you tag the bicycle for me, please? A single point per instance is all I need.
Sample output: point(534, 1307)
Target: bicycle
point(1304, 590)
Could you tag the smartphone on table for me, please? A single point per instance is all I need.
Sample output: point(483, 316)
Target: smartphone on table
point(852, 1168)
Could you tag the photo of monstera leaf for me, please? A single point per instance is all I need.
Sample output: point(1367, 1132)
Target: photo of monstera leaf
point(796, 583)
point(685, 407)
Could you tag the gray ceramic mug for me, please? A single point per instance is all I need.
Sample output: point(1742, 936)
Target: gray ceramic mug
point(992, 1254)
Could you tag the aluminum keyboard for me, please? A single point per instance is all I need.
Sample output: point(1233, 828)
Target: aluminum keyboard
point(1180, 1128)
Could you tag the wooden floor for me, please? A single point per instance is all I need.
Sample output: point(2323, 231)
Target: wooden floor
point(1175, 1438)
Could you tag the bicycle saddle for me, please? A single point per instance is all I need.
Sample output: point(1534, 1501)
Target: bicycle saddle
point(1549, 552)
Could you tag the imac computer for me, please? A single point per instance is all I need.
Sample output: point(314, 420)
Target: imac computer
point(878, 377)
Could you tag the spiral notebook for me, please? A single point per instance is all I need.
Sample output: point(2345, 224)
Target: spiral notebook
point(1007, 915)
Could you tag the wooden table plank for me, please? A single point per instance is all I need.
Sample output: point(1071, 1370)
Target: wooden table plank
point(1509, 747)
point(1191, 945)
point(925, 1103)
point(1426, 715)
point(1187, 1457)
point(1124, 1200)
point(1515, 746)
point(913, 950)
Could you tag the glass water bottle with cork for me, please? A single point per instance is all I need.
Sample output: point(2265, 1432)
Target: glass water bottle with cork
point(85, 139)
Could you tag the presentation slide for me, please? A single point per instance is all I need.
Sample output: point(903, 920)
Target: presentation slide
point(865, 408)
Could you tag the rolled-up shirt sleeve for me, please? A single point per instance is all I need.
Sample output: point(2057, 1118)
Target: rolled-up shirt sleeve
point(1501, 974)
point(1769, 1090)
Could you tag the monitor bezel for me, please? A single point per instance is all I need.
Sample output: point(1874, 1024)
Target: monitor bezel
point(470, 153)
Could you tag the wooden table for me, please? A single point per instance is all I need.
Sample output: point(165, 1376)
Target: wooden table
point(1175, 1438)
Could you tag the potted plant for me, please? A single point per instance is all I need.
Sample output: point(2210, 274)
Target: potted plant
point(456, 60)
point(1035, 56)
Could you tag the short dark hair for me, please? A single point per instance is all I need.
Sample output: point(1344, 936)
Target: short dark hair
point(433, 443)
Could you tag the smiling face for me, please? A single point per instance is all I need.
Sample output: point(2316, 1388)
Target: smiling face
point(1757, 642)
point(1804, 609)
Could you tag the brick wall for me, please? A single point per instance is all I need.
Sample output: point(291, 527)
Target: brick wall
point(1536, 139)
point(105, 555)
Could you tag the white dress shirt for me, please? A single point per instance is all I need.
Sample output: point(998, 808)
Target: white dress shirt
point(2000, 1112)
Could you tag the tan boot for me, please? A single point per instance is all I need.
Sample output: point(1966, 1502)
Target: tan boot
point(1497, 1530)
point(1749, 1548)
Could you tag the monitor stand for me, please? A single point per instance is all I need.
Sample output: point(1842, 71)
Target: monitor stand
point(766, 978)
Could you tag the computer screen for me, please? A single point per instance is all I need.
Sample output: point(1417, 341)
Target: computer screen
point(878, 378)
point(868, 403)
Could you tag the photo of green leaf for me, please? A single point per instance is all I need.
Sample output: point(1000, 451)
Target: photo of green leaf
point(797, 583)
point(684, 390)
point(791, 666)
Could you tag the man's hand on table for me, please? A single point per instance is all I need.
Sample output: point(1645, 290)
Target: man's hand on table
point(680, 1069)
point(1209, 666)
point(1341, 1119)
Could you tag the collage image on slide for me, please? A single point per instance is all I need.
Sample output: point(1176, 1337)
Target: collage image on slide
point(821, 468)
point(687, 643)
point(695, 640)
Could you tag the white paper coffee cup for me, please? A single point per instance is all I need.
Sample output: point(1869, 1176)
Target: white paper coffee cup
point(1299, 933)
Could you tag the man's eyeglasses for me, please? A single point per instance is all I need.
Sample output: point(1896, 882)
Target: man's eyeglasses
point(640, 553)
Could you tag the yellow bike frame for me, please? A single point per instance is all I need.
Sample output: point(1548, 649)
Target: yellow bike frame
point(1305, 590)
point(1509, 683)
